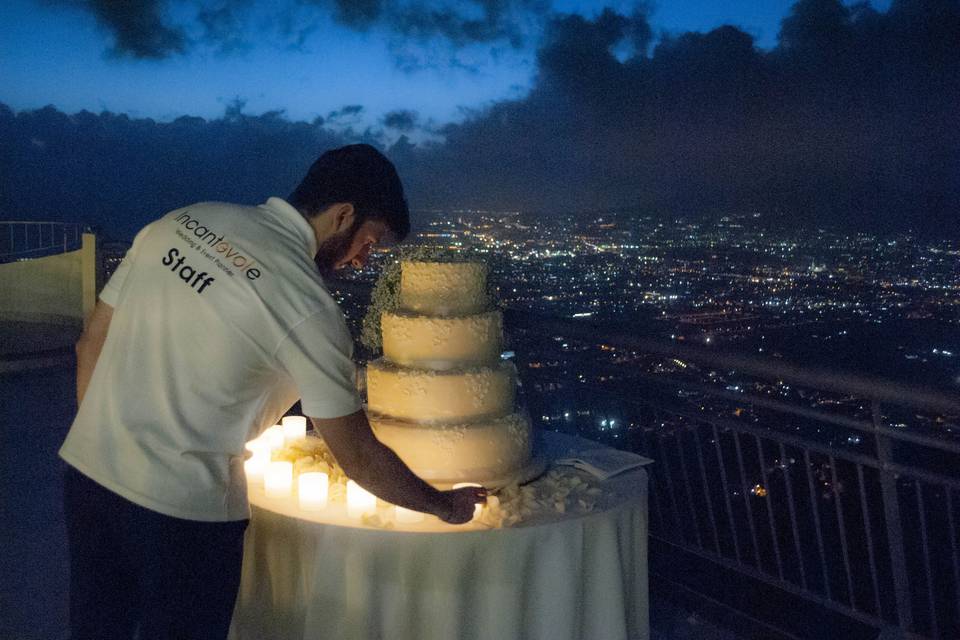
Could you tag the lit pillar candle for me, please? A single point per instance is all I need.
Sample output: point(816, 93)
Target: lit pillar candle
point(294, 428)
point(477, 508)
point(278, 479)
point(359, 500)
point(255, 466)
point(258, 447)
point(312, 488)
point(408, 516)
point(274, 437)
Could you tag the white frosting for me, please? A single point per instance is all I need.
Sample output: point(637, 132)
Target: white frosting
point(442, 342)
point(429, 396)
point(484, 452)
point(444, 288)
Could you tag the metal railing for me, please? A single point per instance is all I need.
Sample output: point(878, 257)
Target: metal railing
point(776, 491)
point(21, 240)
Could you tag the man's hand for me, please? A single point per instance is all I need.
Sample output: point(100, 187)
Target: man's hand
point(377, 469)
point(462, 502)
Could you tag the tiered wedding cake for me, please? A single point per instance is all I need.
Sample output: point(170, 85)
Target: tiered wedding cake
point(440, 397)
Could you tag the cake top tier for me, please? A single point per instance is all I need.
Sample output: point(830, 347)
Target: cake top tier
point(444, 288)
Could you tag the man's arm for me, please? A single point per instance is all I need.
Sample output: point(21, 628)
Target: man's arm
point(89, 345)
point(377, 469)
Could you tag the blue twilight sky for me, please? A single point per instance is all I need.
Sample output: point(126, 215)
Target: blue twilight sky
point(691, 107)
point(297, 56)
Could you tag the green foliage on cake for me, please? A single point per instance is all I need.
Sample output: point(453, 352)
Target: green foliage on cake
point(386, 292)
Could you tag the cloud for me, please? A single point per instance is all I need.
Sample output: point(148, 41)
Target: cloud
point(850, 120)
point(357, 14)
point(138, 28)
point(224, 25)
point(428, 20)
point(146, 29)
point(350, 111)
point(402, 120)
point(459, 23)
point(118, 173)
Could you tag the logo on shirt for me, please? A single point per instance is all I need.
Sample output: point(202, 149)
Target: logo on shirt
point(224, 254)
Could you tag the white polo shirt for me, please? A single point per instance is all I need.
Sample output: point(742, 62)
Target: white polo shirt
point(221, 321)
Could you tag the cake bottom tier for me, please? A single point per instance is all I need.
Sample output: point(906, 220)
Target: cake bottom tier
point(493, 452)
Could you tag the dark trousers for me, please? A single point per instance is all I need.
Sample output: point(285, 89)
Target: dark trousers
point(137, 573)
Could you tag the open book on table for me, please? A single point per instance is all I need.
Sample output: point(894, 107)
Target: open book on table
point(604, 463)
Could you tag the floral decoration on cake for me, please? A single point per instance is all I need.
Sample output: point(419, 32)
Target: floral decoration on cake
point(386, 291)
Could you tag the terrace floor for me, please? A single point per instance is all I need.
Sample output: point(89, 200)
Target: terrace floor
point(36, 410)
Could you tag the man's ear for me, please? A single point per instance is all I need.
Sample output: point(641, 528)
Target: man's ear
point(343, 216)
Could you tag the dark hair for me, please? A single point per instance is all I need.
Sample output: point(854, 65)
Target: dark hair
point(360, 175)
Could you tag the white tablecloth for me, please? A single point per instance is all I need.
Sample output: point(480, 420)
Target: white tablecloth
point(569, 576)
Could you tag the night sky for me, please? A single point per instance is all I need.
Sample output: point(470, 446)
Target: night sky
point(815, 110)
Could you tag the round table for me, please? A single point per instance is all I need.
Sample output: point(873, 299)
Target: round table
point(556, 577)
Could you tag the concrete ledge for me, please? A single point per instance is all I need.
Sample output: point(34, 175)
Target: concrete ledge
point(40, 318)
point(36, 361)
point(36, 341)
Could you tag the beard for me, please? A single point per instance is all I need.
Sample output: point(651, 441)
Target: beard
point(333, 250)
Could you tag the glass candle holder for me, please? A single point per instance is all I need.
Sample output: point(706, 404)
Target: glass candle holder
point(274, 437)
point(359, 500)
point(255, 467)
point(312, 490)
point(294, 428)
point(258, 445)
point(278, 479)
